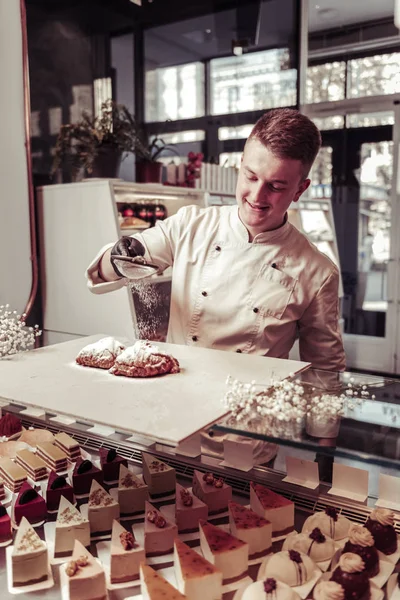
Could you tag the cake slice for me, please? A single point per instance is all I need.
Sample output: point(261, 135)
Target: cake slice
point(68, 445)
point(159, 534)
point(70, 526)
point(110, 463)
point(54, 458)
point(12, 474)
point(57, 486)
point(132, 493)
point(126, 555)
point(33, 465)
point(84, 473)
point(197, 578)
point(159, 476)
point(10, 425)
point(102, 510)
point(212, 491)
point(188, 510)
point(154, 587)
point(5, 525)
point(85, 575)
point(249, 527)
point(29, 504)
point(29, 556)
point(272, 507)
point(2, 491)
point(225, 552)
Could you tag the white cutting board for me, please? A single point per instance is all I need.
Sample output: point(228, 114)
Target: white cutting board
point(168, 408)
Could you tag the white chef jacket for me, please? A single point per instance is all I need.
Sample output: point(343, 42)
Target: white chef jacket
point(231, 294)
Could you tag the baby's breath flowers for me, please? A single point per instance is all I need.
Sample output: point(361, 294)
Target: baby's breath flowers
point(15, 336)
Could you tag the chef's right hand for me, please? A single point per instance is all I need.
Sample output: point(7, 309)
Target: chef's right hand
point(126, 246)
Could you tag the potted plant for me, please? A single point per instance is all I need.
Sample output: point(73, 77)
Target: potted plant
point(148, 169)
point(95, 145)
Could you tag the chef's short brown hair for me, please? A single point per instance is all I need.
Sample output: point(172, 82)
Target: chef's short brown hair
point(288, 134)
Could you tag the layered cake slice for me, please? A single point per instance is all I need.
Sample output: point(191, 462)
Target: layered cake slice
point(225, 552)
point(5, 525)
point(110, 463)
point(154, 587)
point(126, 555)
point(84, 473)
point(85, 575)
point(212, 491)
point(29, 504)
point(29, 556)
point(159, 534)
point(102, 510)
point(197, 578)
point(2, 491)
point(54, 458)
point(188, 510)
point(249, 527)
point(57, 486)
point(33, 465)
point(273, 507)
point(70, 526)
point(12, 474)
point(132, 493)
point(159, 476)
point(68, 445)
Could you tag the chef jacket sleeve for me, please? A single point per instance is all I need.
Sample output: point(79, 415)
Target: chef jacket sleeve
point(159, 243)
point(320, 339)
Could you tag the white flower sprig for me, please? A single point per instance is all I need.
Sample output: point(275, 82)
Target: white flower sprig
point(15, 336)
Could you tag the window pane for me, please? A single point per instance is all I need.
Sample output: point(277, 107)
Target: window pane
point(234, 133)
point(230, 159)
point(179, 137)
point(175, 92)
point(374, 75)
point(252, 82)
point(326, 82)
point(321, 174)
point(326, 123)
point(370, 119)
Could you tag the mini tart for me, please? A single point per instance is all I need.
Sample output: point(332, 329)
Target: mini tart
point(381, 526)
point(225, 552)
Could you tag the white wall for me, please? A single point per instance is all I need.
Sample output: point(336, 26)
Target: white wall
point(15, 266)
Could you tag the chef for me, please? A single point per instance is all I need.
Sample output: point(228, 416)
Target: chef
point(245, 279)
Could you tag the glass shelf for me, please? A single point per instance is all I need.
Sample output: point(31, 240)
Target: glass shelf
point(367, 428)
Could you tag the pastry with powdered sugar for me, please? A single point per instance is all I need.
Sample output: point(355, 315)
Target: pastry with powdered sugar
point(143, 359)
point(101, 354)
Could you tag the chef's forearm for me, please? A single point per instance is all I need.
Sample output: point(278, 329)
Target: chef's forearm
point(106, 271)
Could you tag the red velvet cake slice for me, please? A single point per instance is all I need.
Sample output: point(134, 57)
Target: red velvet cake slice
point(212, 491)
point(29, 504)
point(84, 473)
point(225, 552)
point(159, 534)
point(273, 507)
point(110, 463)
point(5, 525)
point(10, 425)
point(58, 486)
point(188, 510)
point(249, 527)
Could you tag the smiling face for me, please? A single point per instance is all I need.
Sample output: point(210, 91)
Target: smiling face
point(266, 187)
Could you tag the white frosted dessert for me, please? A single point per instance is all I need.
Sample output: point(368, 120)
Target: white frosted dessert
point(29, 557)
point(196, 577)
point(329, 522)
point(289, 566)
point(328, 590)
point(315, 544)
point(70, 526)
point(225, 552)
point(269, 589)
